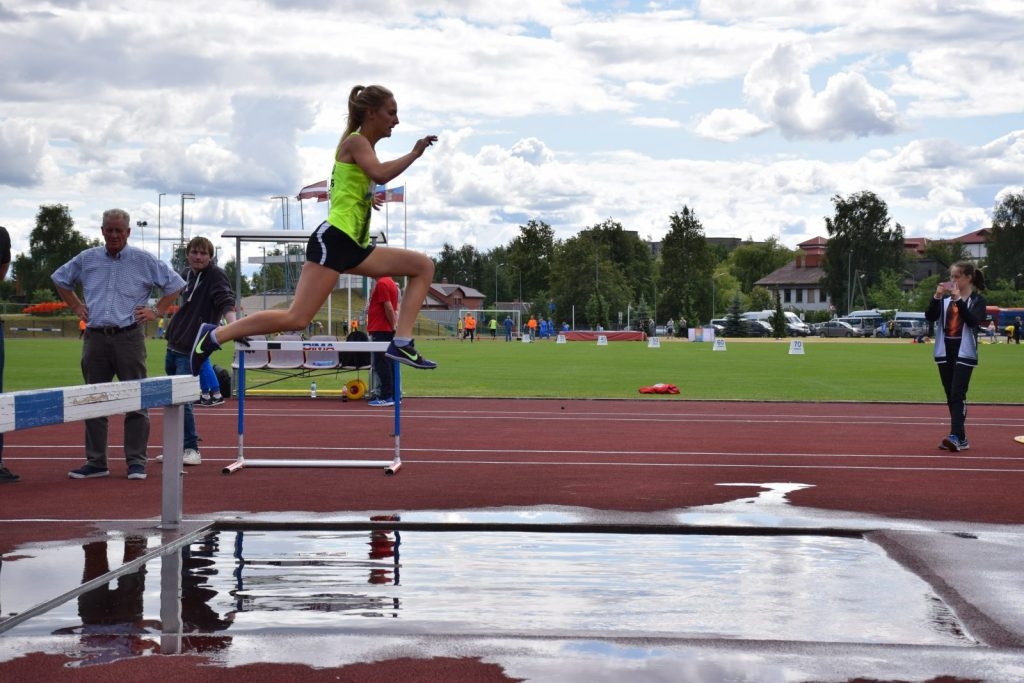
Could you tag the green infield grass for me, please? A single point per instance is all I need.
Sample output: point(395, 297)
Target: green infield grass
point(828, 370)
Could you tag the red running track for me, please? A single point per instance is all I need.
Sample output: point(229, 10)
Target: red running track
point(642, 455)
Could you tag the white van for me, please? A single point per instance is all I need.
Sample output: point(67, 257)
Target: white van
point(865, 321)
point(909, 315)
point(795, 327)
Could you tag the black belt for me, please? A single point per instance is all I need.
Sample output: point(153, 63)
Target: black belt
point(113, 330)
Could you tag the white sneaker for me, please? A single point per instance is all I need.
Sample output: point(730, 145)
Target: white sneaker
point(191, 457)
point(159, 458)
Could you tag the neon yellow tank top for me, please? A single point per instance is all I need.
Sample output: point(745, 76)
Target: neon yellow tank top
point(351, 201)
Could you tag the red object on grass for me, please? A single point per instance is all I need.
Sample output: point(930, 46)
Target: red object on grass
point(660, 389)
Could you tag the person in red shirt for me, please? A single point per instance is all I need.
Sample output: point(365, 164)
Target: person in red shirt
point(381, 314)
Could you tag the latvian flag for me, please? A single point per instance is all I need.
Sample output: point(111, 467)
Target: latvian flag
point(316, 190)
point(394, 194)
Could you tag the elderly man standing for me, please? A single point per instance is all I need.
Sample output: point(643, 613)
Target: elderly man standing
point(116, 281)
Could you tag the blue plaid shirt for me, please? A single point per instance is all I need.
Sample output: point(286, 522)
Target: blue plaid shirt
point(114, 286)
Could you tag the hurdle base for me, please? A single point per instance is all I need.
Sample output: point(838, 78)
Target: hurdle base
point(236, 465)
point(390, 467)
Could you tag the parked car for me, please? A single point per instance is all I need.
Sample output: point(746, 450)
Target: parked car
point(910, 328)
point(865, 327)
point(751, 328)
point(758, 328)
point(838, 328)
point(795, 327)
point(798, 329)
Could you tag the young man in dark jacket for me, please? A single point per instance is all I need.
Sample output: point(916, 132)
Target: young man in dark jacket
point(207, 298)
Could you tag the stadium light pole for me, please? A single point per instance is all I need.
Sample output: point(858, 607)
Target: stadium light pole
point(263, 276)
point(142, 225)
point(284, 211)
point(496, 267)
point(184, 196)
point(159, 211)
point(849, 281)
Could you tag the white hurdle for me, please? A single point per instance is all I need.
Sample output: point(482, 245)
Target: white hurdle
point(41, 407)
point(390, 467)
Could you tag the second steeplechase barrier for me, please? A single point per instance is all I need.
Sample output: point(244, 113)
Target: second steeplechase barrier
point(40, 407)
point(390, 467)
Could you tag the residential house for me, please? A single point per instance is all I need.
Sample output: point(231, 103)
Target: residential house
point(799, 282)
point(447, 297)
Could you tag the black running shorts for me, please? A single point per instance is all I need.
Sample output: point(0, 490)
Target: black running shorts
point(334, 248)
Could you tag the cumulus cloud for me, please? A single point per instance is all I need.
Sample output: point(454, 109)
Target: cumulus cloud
point(729, 125)
point(779, 89)
point(259, 156)
point(21, 153)
point(949, 223)
point(654, 122)
point(778, 92)
point(567, 112)
point(961, 81)
point(533, 151)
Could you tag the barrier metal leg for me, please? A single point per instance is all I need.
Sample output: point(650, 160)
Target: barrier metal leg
point(391, 469)
point(240, 462)
point(174, 443)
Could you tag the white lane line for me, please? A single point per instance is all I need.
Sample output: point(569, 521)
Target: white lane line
point(493, 452)
point(805, 420)
point(711, 465)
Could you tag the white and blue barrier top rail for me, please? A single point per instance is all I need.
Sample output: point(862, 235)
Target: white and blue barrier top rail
point(40, 407)
point(312, 345)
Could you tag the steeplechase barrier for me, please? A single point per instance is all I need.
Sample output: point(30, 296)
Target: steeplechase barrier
point(390, 467)
point(41, 407)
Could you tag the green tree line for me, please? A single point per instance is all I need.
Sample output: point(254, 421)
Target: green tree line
point(605, 269)
point(607, 275)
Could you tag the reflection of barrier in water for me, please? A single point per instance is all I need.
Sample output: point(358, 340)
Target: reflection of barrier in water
point(268, 583)
point(390, 466)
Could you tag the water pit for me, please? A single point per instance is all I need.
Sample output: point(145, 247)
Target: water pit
point(810, 588)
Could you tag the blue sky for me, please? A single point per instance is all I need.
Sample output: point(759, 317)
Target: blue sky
point(752, 114)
